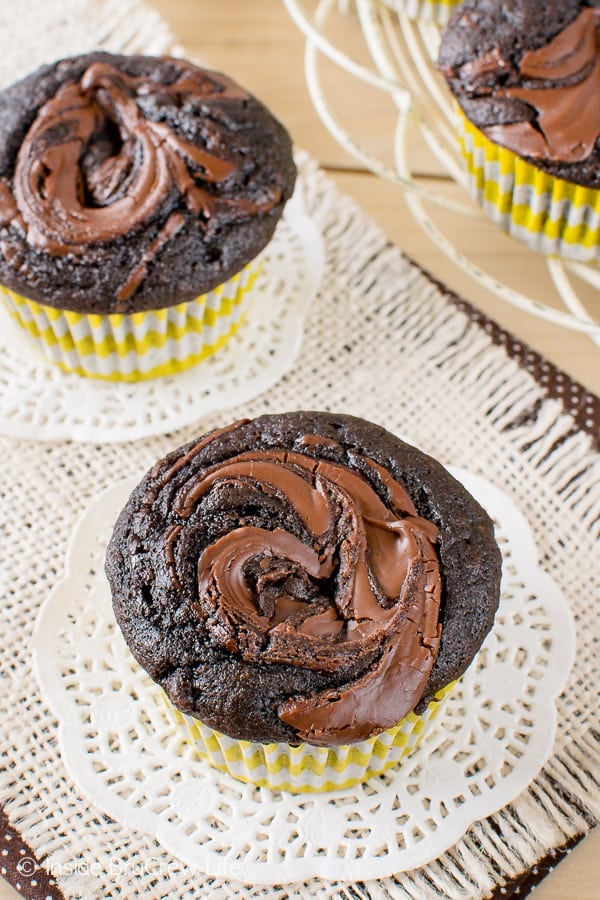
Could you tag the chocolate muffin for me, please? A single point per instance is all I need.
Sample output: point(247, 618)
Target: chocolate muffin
point(526, 75)
point(133, 184)
point(304, 577)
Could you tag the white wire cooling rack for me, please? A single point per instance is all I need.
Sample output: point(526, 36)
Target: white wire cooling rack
point(402, 52)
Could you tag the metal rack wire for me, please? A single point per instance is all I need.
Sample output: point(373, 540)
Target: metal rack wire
point(402, 54)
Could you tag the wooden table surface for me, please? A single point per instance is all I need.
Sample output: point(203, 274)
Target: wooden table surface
point(256, 43)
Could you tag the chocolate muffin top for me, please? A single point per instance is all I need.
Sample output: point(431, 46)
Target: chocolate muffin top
point(302, 577)
point(527, 73)
point(133, 183)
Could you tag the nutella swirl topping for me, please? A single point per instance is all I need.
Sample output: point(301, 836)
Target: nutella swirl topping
point(94, 167)
point(318, 564)
point(559, 82)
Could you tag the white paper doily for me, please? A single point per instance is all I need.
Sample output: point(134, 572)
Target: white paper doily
point(40, 402)
point(124, 751)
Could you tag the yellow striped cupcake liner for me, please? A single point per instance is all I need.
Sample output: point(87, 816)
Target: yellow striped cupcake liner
point(546, 213)
point(426, 10)
point(142, 345)
point(306, 769)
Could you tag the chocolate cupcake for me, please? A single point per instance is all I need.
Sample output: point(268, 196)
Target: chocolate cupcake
point(526, 75)
point(136, 195)
point(305, 587)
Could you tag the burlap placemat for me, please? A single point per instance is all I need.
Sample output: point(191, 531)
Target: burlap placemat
point(383, 341)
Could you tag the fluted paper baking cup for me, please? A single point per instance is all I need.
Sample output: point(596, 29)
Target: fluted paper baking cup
point(547, 213)
point(142, 345)
point(426, 10)
point(305, 768)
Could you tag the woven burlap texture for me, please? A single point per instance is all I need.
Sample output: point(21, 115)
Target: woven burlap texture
point(381, 341)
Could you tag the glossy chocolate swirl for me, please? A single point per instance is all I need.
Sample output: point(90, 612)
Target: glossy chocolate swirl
point(359, 578)
point(545, 100)
point(66, 204)
point(562, 83)
point(112, 154)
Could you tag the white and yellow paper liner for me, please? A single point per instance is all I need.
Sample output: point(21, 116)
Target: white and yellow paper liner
point(142, 345)
point(305, 768)
point(438, 11)
point(548, 214)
